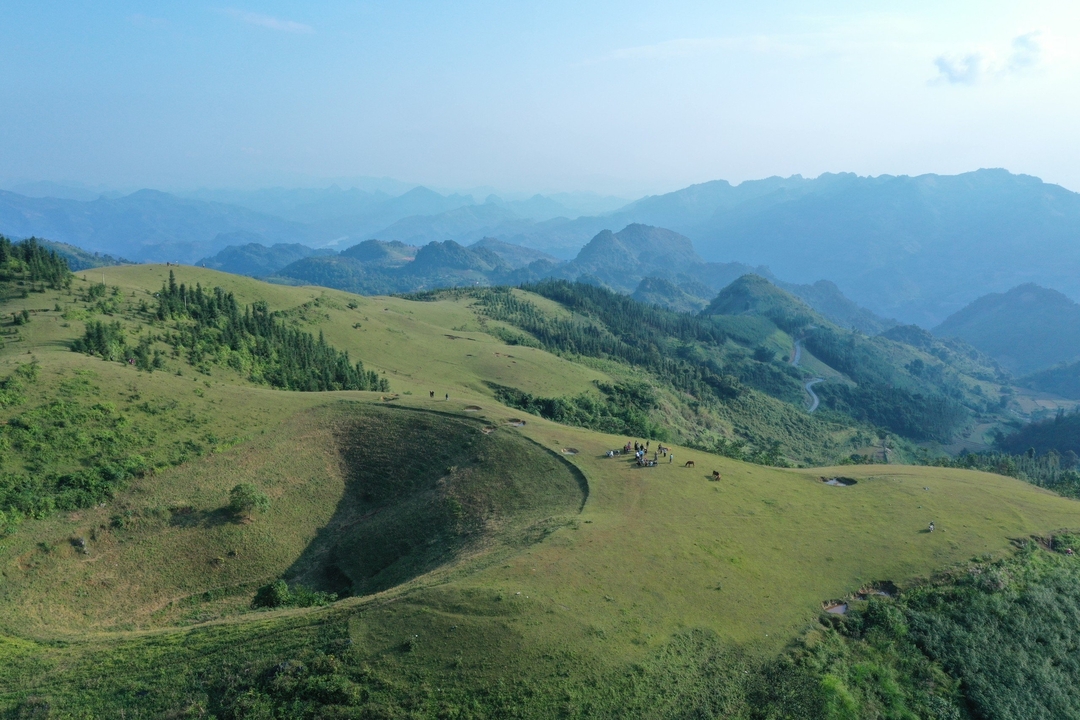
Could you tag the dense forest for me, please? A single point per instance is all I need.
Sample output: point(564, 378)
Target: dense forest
point(1060, 433)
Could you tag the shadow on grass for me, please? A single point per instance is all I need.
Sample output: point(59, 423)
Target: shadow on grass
point(189, 517)
point(423, 489)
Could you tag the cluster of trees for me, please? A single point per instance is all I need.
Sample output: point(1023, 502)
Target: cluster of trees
point(622, 410)
point(256, 342)
point(31, 261)
point(1060, 434)
point(1050, 470)
point(211, 327)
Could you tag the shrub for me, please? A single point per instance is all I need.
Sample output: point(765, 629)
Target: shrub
point(277, 594)
point(245, 499)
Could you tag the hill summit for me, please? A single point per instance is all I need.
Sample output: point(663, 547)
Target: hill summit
point(1026, 329)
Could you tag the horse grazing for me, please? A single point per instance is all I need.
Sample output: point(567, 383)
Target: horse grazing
point(689, 463)
point(715, 474)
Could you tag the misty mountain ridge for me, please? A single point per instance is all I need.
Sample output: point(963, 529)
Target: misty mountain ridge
point(656, 265)
point(253, 258)
point(914, 248)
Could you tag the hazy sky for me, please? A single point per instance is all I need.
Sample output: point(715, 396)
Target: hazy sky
point(621, 97)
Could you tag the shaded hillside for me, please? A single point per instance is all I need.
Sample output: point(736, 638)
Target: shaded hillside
point(826, 298)
point(79, 259)
point(377, 253)
point(375, 267)
point(1062, 380)
point(917, 387)
point(515, 256)
point(657, 291)
point(255, 259)
point(1060, 434)
point(1026, 329)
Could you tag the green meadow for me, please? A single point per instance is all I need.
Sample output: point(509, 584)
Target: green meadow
point(488, 563)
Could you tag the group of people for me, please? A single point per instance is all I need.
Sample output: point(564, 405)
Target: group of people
point(641, 453)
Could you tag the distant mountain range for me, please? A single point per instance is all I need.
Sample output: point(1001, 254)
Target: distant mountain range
point(914, 248)
point(656, 265)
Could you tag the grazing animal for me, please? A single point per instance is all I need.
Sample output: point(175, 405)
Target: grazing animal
point(931, 527)
point(715, 474)
point(689, 463)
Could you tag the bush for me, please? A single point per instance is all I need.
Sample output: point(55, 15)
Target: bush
point(277, 594)
point(245, 499)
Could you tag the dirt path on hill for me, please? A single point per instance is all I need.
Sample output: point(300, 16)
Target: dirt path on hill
point(796, 356)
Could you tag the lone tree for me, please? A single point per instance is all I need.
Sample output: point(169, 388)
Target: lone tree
point(245, 499)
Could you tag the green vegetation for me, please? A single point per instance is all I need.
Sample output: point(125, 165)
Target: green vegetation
point(278, 594)
point(1060, 434)
point(482, 568)
point(255, 343)
point(623, 410)
point(1063, 380)
point(30, 261)
point(707, 402)
point(247, 498)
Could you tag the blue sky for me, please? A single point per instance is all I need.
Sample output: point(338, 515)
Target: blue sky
point(613, 97)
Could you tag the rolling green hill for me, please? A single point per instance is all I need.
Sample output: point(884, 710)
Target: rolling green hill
point(487, 562)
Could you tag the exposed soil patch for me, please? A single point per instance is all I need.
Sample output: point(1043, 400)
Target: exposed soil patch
point(473, 408)
point(570, 451)
point(836, 608)
point(516, 422)
point(487, 430)
point(459, 337)
point(839, 481)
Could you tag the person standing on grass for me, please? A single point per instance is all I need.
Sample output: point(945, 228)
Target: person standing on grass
point(671, 458)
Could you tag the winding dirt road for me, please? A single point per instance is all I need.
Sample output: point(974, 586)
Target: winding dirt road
point(809, 386)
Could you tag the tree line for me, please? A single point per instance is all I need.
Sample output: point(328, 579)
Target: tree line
point(31, 261)
point(212, 327)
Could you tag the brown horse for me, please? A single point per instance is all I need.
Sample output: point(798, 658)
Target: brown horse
point(715, 474)
point(689, 463)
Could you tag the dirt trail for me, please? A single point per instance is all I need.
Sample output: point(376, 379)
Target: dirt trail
point(809, 386)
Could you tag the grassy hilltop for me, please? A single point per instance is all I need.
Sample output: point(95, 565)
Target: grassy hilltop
point(484, 566)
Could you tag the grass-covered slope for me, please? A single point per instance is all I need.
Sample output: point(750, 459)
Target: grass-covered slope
point(485, 582)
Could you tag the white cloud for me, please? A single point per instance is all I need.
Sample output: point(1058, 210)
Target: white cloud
point(959, 71)
point(268, 22)
point(1026, 52)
